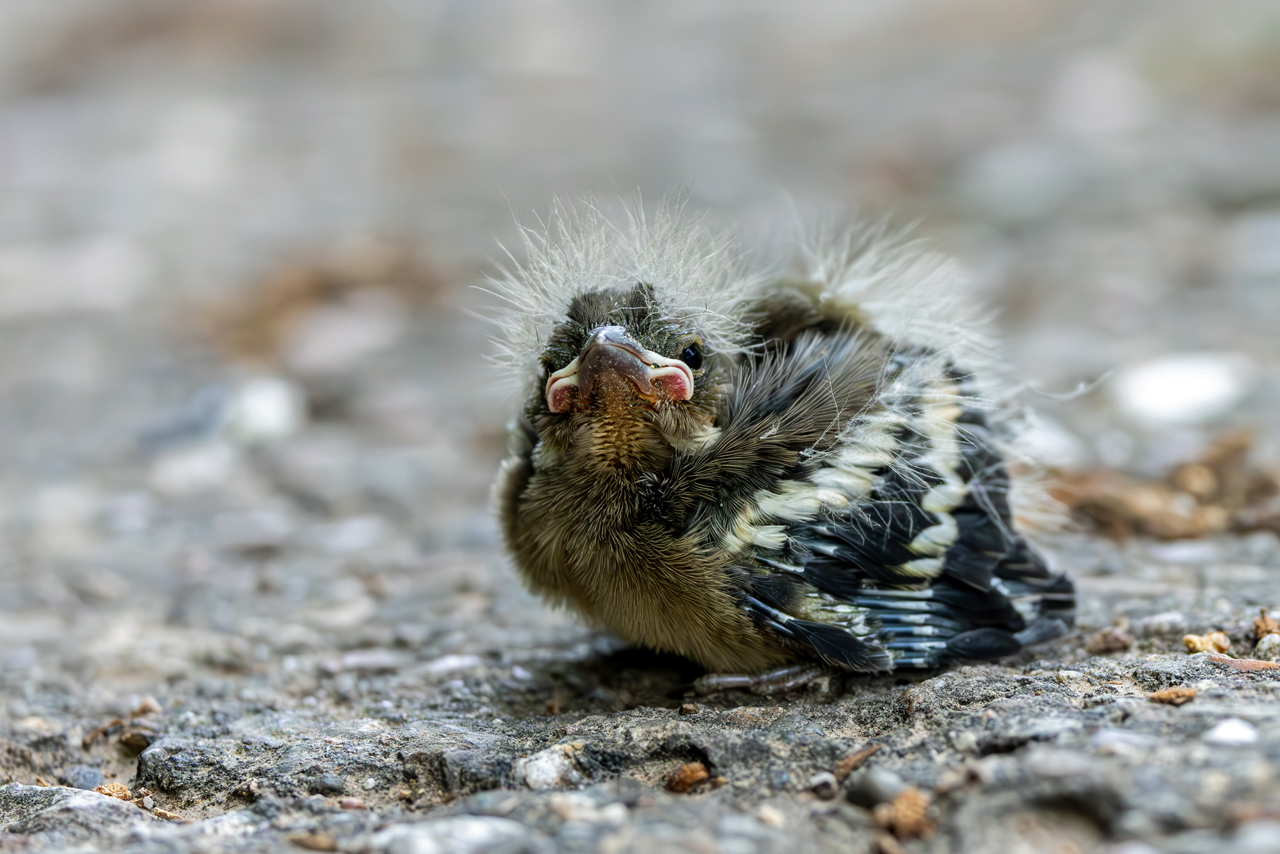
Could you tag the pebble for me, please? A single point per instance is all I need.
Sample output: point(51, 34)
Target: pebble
point(771, 815)
point(457, 834)
point(547, 769)
point(824, 785)
point(266, 409)
point(1268, 648)
point(1182, 390)
point(572, 806)
point(1166, 623)
point(82, 777)
point(193, 469)
point(450, 663)
point(1067, 677)
point(873, 786)
point(1231, 732)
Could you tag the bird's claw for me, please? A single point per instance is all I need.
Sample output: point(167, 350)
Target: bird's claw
point(778, 681)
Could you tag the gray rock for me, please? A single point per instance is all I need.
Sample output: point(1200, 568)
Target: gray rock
point(62, 817)
point(82, 777)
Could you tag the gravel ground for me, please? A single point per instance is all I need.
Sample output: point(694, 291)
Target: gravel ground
point(259, 588)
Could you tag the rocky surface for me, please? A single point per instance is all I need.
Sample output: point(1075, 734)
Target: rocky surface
point(257, 594)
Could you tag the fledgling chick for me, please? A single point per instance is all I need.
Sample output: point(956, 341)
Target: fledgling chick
point(756, 470)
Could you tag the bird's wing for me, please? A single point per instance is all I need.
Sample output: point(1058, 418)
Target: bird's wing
point(863, 495)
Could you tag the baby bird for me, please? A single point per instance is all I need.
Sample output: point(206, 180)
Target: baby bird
point(758, 468)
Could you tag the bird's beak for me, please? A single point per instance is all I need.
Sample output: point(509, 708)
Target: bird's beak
point(610, 351)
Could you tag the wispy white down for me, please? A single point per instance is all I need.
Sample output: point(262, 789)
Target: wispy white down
point(697, 273)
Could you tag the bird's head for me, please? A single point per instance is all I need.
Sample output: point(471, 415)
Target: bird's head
point(631, 326)
point(618, 349)
point(624, 380)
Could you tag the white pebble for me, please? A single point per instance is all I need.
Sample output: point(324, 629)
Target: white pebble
point(546, 769)
point(1231, 732)
point(1268, 648)
point(266, 409)
point(371, 783)
point(1186, 389)
point(1165, 623)
point(194, 469)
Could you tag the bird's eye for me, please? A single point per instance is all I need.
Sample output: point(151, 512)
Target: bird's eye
point(692, 356)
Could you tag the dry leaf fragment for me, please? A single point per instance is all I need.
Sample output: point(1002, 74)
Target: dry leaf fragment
point(171, 816)
point(1247, 665)
point(686, 777)
point(314, 841)
point(854, 761)
point(1175, 696)
point(906, 816)
point(1264, 625)
point(1220, 491)
point(114, 790)
point(1212, 642)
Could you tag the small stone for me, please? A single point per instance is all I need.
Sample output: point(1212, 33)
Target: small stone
point(449, 663)
point(824, 785)
point(1167, 623)
point(1231, 732)
point(351, 803)
point(874, 786)
point(771, 815)
point(327, 784)
point(547, 769)
point(193, 469)
point(82, 777)
point(1183, 389)
point(1108, 640)
point(1268, 648)
point(138, 739)
point(1175, 696)
point(370, 784)
point(1264, 625)
point(965, 741)
point(1067, 677)
point(266, 409)
point(1212, 642)
point(690, 708)
point(148, 803)
point(686, 777)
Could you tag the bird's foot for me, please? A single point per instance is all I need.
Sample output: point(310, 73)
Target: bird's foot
point(777, 681)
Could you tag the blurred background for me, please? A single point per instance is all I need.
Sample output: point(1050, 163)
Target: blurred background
point(246, 424)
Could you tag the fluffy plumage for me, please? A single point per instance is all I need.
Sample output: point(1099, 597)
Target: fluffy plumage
point(753, 464)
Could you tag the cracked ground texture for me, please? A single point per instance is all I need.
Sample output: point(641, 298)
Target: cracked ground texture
point(247, 428)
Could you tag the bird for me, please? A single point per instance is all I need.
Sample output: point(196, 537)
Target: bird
point(773, 462)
